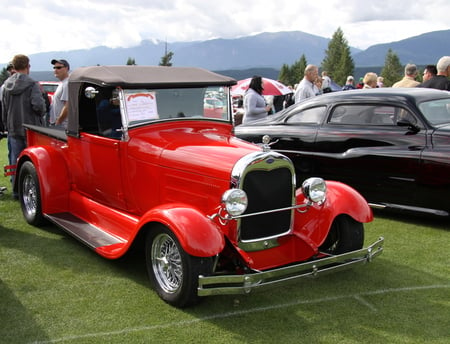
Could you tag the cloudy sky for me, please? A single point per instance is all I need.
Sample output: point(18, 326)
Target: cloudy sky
point(32, 26)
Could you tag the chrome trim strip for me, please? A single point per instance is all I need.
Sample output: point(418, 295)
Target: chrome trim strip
point(244, 284)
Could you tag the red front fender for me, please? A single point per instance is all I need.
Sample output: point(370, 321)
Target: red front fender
point(313, 225)
point(53, 176)
point(198, 235)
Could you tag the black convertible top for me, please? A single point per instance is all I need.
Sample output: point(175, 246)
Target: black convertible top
point(154, 76)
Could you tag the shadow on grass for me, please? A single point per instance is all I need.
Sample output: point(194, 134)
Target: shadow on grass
point(16, 321)
point(382, 301)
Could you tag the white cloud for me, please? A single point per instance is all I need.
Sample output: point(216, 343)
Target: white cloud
point(31, 26)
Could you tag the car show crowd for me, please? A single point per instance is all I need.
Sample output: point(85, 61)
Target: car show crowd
point(257, 101)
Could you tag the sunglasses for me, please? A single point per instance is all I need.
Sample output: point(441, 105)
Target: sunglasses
point(58, 67)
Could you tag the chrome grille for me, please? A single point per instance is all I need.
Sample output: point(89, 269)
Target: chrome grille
point(268, 179)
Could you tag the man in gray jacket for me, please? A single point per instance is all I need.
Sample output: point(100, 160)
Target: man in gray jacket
point(22, 103)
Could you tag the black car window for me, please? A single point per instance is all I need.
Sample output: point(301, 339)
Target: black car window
point(369, 115)
point(436, 111)
point(313, 115)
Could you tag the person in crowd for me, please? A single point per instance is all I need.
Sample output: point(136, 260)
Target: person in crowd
point(59, 108)
point(326, 83)
point(318, 85)
point(278, 103)
point(370, 80)
point(429, 72)
point(409, 80)
point(289, 98)
point(255, 106)
point(380, 82)
point(108, 114)
point(306, 88)
point(10, 70)
point(238, 111)
point(22, 103)
point(440, 81)
point(360, 84)
point(269, 102)
point(349, 84)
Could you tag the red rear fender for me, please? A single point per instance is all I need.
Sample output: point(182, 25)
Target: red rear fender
point(53, 176)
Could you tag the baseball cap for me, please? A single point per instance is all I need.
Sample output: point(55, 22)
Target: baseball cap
point(349, 78)
point(61, 61)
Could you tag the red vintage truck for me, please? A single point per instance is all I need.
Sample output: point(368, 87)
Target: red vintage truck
point(143, 161)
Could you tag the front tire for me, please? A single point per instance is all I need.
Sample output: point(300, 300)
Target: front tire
point(173, 273)
point(30, 194)
point(345, 235)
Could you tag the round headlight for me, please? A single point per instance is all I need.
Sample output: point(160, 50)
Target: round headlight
point(235, 201)
point(315, 190)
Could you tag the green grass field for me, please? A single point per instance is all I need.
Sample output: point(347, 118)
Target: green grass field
point(55, 290)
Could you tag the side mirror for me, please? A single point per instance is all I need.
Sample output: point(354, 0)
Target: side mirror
point(90, 92)
point(412, 128)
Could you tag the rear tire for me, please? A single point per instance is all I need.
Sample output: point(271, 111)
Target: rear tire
point(346, 234)
point(173, 273)
point(30, 194)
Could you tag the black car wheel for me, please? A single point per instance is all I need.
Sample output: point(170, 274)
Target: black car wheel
point(172, 272)
point(30, 194)
point(346, 234)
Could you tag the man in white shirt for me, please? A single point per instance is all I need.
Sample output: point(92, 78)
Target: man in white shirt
point(306, 87)
point(58, 109)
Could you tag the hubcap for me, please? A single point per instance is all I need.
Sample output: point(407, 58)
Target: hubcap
point(167, 263)
point(29, 195)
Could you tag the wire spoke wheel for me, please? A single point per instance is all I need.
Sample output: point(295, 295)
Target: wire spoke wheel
point(167, 263)
point(172, 271)
point(29, 195)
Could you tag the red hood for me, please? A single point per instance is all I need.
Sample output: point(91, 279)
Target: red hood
point(194, 148)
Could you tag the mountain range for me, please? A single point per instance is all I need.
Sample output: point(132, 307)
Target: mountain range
point(265, 50)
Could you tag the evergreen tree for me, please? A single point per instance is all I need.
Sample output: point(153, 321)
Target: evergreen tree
point(166, 59)
point(392, 70)
point(131, 62)
point(338, 61)
point(298, 70)
point(285, 75)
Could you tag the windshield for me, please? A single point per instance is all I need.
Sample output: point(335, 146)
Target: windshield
point(147, 105)
point(436, 111)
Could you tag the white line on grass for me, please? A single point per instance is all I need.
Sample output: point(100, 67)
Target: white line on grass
point(358, 297)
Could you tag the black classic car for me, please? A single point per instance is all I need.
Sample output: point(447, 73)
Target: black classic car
point(392, 145)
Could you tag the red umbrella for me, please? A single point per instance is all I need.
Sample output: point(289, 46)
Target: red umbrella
point(271, 87)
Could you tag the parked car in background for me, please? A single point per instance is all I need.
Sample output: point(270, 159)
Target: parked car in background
point(214, 108)
point(49, 87)
point(392, 145)
point(141, 163)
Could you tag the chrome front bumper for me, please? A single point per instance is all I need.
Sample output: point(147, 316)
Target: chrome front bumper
point(244, 284)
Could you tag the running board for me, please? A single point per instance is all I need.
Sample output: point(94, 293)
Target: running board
point(87, 233)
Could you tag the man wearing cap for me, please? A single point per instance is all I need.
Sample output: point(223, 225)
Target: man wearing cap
point(58, 108)
point(349, 84)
